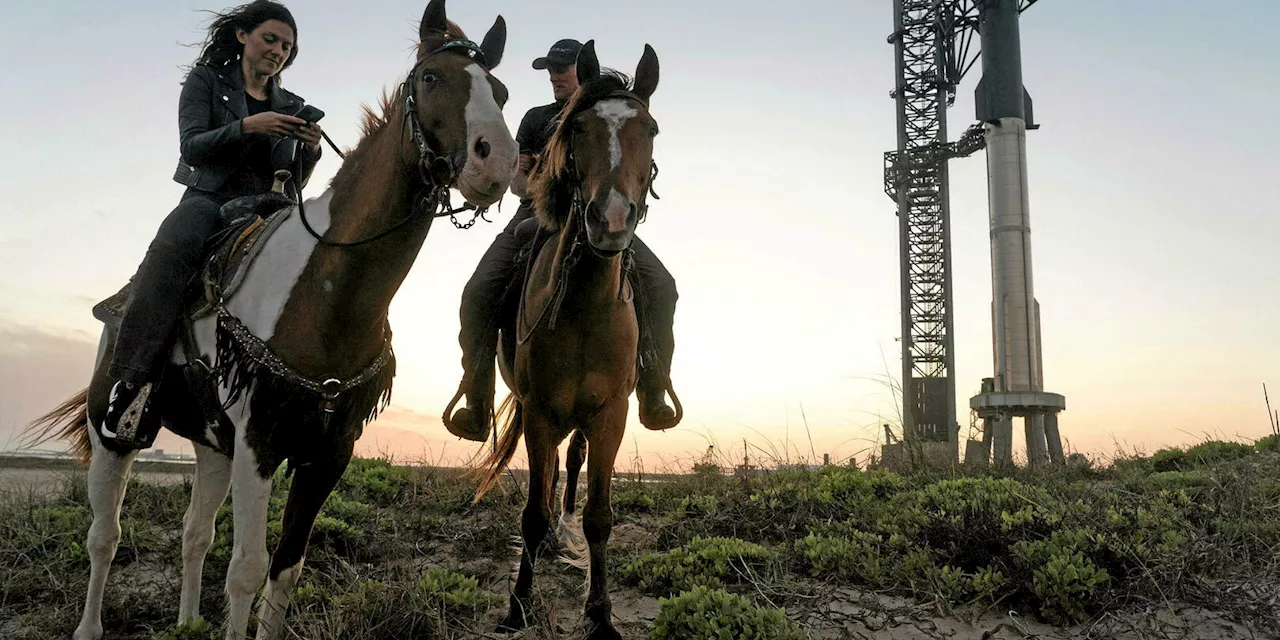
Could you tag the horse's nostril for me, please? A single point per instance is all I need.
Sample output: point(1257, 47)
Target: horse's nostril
point(482, 148)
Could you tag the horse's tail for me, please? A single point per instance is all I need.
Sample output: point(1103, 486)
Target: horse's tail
point(492, 465)
point(69, 421)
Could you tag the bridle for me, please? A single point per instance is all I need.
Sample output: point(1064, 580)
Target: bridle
point(578, 203)
point(436, 172)
point(577, 214)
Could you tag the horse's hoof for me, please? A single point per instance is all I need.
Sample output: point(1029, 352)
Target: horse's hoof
point(88, 632)
point(514, 621)
point(603, 632)
point(549, 549)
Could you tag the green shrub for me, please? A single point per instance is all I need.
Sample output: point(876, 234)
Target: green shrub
point(698, 506)
point(1215, 451)
point(454, 591)
point(352, 511)
point(972, 522)
point(374, 481)
point(714, 614)
point(633, 501)
point(855, 556)
point(1067, 585)
point(1169, 460)
point(198, 629)
point(702, 562)
point(1206, 453)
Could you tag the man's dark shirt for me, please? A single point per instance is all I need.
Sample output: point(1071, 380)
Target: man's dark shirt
point(536, 128)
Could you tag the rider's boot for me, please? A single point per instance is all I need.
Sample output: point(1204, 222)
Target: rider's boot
point(652, 384)
point(130, 423)
point(477, 338)
point(655, 413)
point(473, 421)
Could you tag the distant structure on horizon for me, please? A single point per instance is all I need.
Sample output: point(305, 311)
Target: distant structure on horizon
point(152, 455)
point(932, 41)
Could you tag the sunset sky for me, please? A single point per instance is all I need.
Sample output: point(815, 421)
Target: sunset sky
point(1155, 211)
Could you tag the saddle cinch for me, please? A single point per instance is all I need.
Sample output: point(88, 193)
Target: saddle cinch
point(249, 222)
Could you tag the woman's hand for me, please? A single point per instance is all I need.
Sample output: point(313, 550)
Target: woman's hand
point(272, 123)
point(309, 134)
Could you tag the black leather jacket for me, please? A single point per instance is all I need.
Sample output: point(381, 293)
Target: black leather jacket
point(210, 115)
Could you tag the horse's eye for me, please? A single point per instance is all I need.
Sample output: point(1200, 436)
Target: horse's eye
point(428, 78)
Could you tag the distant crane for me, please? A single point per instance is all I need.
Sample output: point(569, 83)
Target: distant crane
point(933, 41)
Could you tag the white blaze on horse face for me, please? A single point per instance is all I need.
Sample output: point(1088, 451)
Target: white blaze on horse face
point(617, 210)
point(615, 113)
point(485, 179)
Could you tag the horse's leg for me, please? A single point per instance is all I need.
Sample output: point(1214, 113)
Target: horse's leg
point(605, 438)
point(250, 492)
point(312, 484)
point(574, 459)
point(550, 547)
point(569, 531)
point(108, 480)
point(208, 492)
point(536, 517)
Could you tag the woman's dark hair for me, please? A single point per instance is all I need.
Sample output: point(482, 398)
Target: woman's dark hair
point(221, 46)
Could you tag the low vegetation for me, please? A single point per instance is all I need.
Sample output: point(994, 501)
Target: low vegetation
point(838, 552)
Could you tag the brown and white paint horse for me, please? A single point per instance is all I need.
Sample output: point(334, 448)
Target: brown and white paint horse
point(574, 364)
point(321, 311)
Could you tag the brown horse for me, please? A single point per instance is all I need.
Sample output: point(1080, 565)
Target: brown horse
point(302, 345)
point(574, 364)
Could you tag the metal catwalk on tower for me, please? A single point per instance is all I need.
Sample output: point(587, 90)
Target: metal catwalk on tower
point(932, 40)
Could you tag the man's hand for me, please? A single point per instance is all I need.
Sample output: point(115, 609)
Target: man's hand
point(520, 183)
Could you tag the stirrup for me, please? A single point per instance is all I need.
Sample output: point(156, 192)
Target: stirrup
point(469, 424)
point(655, 414)
point(464, 423)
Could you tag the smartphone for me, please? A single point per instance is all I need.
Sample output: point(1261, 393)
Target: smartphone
point(309, 113)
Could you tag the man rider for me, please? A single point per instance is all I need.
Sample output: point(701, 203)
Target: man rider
point(482, 298)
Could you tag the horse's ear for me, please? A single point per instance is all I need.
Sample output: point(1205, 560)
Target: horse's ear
point(495, 42)
point(434, 21)
point(646, 74)
point(588, 64)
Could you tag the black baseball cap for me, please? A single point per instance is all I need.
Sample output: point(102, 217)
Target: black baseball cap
point(562, 54)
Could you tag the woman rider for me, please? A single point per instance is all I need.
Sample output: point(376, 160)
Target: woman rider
point(236, 127)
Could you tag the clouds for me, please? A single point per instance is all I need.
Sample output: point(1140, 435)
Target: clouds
point(39, 368)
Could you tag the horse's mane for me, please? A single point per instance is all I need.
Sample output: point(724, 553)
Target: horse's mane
point(550, 184)
point(389, 104)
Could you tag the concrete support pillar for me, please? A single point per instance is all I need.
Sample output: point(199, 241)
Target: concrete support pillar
point(1002, 441)
point(1037, 449)
point(1054, 440)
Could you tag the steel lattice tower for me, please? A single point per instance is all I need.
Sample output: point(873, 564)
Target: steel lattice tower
point(932, 41)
